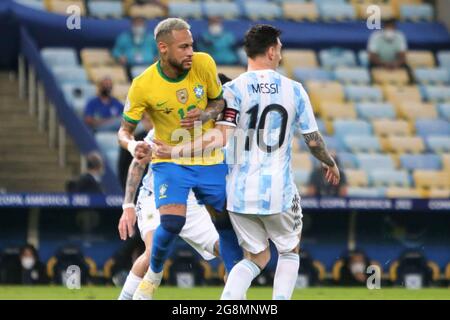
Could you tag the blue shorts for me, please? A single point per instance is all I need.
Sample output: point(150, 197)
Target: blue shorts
point(172, 183)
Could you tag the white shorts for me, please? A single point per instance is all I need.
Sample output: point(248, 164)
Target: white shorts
point(254, 231)
point(199, 231)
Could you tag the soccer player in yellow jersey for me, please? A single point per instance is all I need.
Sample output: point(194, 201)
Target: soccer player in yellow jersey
point(178, 90)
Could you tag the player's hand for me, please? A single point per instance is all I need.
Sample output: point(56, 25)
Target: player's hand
point(162, 150)
point(142, 150)
point(191, 117)
point(332, 174)
point(126, 223)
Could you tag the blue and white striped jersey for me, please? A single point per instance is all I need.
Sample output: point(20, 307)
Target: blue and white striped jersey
point(266, 108)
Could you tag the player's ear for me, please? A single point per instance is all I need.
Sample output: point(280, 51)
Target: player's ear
point(271, 52)
point(162, 47)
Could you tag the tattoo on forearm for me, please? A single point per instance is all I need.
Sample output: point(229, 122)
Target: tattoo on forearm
point(213, 109)
point(317, 146)
point(134, 177)
point(126, 132)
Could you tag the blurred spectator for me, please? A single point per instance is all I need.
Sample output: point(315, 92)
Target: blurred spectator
point(387, 48)
point(136, 46)
point(353, 271)
point(413, 271)
point(104, 112)
point(70, 267)
point(33, 270)
point(145, 125)
point(308, 273)
point(220, 44)
point(318, 186)
point(89, 182)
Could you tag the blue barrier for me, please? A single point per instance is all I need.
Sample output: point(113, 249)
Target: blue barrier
point(73, 125)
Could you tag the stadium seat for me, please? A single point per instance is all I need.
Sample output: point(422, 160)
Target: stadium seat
point(420, 59)
point(148, 11)
point(436, 94)
point(389, 178)
point(444, 111)
point(105, 9)
point(112, 157)
point(335, 110)
point(360, 143)
point(396, 4)
point(55, 57)
point(307, 74)
point(395, 94)
point(400, 145)
point(355, 75)
point(371, 110)
point(356, 178)
point(386, 9)
point(368, 162)
point(320, 92)
point(363, 93)
point(185, 9)
point(432, 127)
point(333, 143)
point(443, 58)
point(301, 177)
point(337, 57)
point(74, 75)
point(446, 161)
point(231, 71)
point(428, 179)
point(347, 160)
point(432, 75)
point(120, 91)
point(302, 161)
point(344, 128)
point(438, 143)
point(420, 161)
point(296, 58)
point(438, 193)
point(299, 11)
point(35, 4)
point(77, 95)
point(391, 127)
point(96, 57)
point(419, 12)
point(256, 10)
point(359, 192)
point(106, 141)
point(363, 58)
point(137, 70)
point(332, 11)
point(61, 6)
point(383, 76)
point(413, 110)
point(399, 192)
point(116, 73)
point(226, 10)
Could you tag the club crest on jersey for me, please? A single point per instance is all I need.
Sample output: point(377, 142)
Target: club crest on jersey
point(162, 191)
point(198, 91)
point(182, 96)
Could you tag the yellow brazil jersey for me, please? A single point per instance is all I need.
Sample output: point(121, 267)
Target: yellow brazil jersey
point(168, 100)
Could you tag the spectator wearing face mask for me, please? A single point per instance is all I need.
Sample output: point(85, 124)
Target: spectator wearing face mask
point(136, 46)
point(32, 269)
point(387, 48)
point(104, 112)
point(219, 43)
point(353, 271)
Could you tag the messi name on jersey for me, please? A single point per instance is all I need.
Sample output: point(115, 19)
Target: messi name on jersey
point(271, 88)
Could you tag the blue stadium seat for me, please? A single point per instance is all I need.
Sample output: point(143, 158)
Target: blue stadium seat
point(337, 57)
point(112, 156)
point(301, 177)
point(59, 57)
point(425, 127)
point(333, 143)
point(104, 8)
point(227, 10)
point(374, 110)
point(389, 178)
point(363, 93)
point(347, 160)
point(262, 10)
point(321, 125)
point(361, 192)
point(352, 127)
point(77, 95)
point(362, 143)
point(363, 58)
point(306, 74)
point(74, 75)
point(185, 9)
point(432, 75)
point(137, 70)
point(322, 2)
point(107, 141)
point(436, 94)
point(368, 162)
point(417, 12)
point(420, 161)
point(355, 75)
point(336, 11)
point(439, 143)
point(444, 110)
point(443, 58)
point(35, 4)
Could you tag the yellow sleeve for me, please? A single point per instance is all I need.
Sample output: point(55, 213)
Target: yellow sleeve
point(135, 104)
point(211, 78)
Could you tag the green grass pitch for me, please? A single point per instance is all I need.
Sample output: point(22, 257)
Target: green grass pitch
point(213, 293)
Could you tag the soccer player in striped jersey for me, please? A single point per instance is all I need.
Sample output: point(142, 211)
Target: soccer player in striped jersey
point(263, 110)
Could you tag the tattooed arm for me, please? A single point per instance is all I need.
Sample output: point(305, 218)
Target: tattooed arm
point(317, 146)
point(212, 110)
point(138, 149)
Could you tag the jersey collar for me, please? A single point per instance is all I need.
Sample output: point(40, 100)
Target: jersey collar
point(165, 77)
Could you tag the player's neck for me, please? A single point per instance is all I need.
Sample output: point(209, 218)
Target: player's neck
point(260, 64)
point(169, 71)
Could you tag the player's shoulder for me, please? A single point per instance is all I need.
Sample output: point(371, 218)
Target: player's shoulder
point(200, 58)
point(146, 75)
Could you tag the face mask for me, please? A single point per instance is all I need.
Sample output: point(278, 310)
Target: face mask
point(358, 267)
point(27, 262)
point(215, 29)
point(105, 92)
point(138, 31)
point(389, 34)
